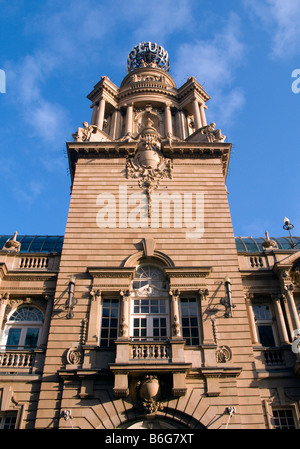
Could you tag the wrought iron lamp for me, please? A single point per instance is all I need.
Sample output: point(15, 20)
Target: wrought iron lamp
point(288, 226)
point(71, 301)
point(227, 302)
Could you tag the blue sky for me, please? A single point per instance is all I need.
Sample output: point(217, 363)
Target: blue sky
point(243, 53)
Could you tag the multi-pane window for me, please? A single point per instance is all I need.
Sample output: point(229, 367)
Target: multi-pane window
point(109, 324)
point(264, 324)
point(149, 308)
point(189, 321)
point(23, 328)
point(149, 319)
point(8, 421)
point(283, 419)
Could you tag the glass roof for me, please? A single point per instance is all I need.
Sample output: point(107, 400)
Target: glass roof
point(36, 243)
point(253, 244)
point(53, 243)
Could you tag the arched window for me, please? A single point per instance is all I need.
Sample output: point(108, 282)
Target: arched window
point(149, 305)
point(22, 330)
point(149, 275)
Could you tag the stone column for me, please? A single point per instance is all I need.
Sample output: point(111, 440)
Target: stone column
point(3, 304)
point(125, 325)
point(129, 119)
point(283, 335)
point(196, 112)
point(175, 323)
point(251, 317)
point(168, 120)
point(288, 291)
point(94, 114)
point(93, 332)
point(202, 114)
point(100, 115)
point(47, 321)
point(115, 128)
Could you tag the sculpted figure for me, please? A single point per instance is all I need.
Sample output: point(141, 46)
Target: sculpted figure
point(213, 135)
point(84, 134)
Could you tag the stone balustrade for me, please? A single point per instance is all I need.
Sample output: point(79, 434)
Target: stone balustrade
point(16, 359)
point(150, 351)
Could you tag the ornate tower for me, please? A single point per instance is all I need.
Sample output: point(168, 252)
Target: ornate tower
point(149, 315)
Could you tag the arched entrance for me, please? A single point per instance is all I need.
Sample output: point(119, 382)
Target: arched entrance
point(153, 423)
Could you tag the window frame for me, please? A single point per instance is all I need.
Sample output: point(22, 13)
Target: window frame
point(110, 345)
point(265, 322)
point(281, 425)
point(149, 318)
point(5, 418)
point(160, 295)
point(198, 316)
point(24, 327)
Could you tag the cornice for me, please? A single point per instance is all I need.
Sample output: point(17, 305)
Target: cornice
point(111, 272)
point(173, 150)
point(24, 275)
point(187, 272)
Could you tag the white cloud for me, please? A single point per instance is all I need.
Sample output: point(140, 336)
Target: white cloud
point(281, 19)
point(159, 19)
point(28, 78)
point(28, 193)
point(214, 63)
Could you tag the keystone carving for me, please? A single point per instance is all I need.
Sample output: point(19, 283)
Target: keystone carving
point(149, 390)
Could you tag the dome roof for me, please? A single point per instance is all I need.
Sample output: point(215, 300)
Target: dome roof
point(148, 54)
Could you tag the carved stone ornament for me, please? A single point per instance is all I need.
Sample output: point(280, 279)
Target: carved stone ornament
point(268, 243)
point(207, 133)
point(212, 134)
point(295, 275)
point(90, 133)
point(148, 165)
point(84, 134)
point(223, 354)
point(149, 393)
point(12, 244)
point(74, 356)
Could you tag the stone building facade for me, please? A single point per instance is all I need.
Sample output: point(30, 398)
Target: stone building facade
point(149, 312)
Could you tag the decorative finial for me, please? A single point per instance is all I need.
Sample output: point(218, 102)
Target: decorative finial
point(148, 54)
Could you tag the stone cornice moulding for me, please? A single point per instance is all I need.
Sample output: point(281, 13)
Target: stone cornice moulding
point(111, 272)
point(106, 88)
point(192, 85)
point(287, 262)
point(30, 276)
point(187, 271)
point(169, 148)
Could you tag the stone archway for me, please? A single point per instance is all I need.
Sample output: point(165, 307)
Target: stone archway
point(153, 423)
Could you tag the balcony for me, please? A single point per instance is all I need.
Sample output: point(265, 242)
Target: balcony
point(21, 360)
point(16, 359)
point(269, 361)
point(140, 357)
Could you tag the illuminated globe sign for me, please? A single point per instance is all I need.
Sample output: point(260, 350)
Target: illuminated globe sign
point(148, 54)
